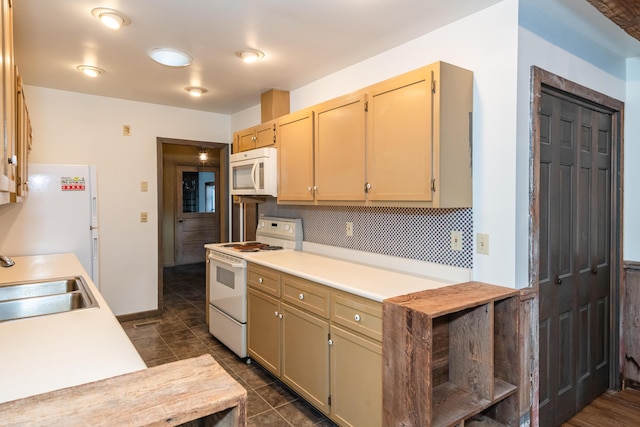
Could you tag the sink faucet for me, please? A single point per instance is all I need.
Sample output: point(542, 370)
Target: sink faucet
point(5, 261)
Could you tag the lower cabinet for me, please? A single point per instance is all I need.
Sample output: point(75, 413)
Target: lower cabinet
point(324, 344)
point(356, 379)
point(263, 340)
point(305, 355)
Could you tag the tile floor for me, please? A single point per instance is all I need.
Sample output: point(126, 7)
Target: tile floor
point(181, 332)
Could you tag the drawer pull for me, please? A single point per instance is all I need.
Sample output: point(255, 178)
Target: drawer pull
point(260, 280)
point(301, 296)
point(356, 317)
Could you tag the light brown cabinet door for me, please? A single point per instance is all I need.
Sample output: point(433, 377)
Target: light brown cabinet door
point(340, 149)
point(356, 379)
point(295, 157)
point(246, 139)
point(265, 134)
point(305, 355)
point(399, 139)
point(263, 332)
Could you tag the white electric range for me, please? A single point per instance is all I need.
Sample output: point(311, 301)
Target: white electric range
point(228, 277)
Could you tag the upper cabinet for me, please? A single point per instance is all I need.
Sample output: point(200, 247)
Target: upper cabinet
point(7, 146)
point(295, 156)
point(262, 135)
point(323, 159)
point(340, 149)
point(405, 141)
point(16, 135)
point(24, 140)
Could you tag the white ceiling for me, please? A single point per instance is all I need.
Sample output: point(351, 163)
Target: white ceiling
point(303, 40)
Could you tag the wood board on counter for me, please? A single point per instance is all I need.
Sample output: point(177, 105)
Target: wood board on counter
point(167, 395)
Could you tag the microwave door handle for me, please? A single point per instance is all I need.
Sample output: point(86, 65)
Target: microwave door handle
point(254, 178)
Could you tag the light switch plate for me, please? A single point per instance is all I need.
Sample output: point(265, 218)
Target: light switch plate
point(349, 229)
point(144, 186)
point(482, 243)
point(144, 217)
point(456, 240)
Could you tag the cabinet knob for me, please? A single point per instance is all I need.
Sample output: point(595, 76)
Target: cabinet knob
point(367, 187)
point(315, 188)
point(309, 188)
point(301, 296)
point(356, 317)
point(280, 315)
point(594, 270)
point(260, 280)
point(330, 342)
point(558, 280)
point(276, 313)
point(13, 160)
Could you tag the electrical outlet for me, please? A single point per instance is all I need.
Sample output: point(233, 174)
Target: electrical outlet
point(349, 229)
point(456, 240)
point(144, 186)
point(482, 241)
point(126, 130)
point(144, 217)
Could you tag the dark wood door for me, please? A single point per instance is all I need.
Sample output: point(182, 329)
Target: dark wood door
point(575, 238)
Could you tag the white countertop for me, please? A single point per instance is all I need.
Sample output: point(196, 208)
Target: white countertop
point(359, 279)
point(46, 353)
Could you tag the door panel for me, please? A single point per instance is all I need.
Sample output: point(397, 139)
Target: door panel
point(575, 201)
point(197, 213)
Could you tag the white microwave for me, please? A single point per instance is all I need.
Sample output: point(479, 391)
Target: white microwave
point(254, 172)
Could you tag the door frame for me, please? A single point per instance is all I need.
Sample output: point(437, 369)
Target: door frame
point(540, 78)
point(224, 150)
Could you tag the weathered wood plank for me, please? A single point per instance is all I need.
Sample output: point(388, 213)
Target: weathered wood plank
point(165, 395)
point(449, 299)
point(406, 355)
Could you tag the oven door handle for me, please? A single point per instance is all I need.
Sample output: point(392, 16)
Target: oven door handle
point(225, 262)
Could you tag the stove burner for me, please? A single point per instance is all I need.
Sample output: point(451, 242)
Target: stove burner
point(232, 245)
point(248, 249)
point(271, 248)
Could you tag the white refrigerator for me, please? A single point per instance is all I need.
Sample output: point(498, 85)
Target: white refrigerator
point(60, 214)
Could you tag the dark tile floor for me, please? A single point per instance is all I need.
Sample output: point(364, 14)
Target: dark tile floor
point(181, 332)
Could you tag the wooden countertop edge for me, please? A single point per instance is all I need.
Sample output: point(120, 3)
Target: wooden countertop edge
point(448, 299)
point(167, 395)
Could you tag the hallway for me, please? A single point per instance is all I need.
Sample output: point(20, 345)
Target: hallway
point(181, 332)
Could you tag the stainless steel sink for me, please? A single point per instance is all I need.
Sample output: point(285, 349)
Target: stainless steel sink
point(39, 298)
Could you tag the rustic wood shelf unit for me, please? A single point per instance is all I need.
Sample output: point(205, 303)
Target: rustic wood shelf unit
point(450, 354)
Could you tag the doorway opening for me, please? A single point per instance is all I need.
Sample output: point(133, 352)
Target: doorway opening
point(193, 201)
point(575, 245)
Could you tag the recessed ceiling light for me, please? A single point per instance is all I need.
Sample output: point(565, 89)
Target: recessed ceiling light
point(169, 57)
point(111, 18)
point(250, 55)
point(195, 91)
point(90, 70)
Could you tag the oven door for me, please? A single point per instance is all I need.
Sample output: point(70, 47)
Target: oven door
point(228, 287)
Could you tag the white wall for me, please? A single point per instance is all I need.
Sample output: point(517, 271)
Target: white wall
point(485, 43)
point(631, 248)
point(74, 128)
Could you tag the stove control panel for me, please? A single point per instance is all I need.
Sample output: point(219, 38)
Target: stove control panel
point(282, 228)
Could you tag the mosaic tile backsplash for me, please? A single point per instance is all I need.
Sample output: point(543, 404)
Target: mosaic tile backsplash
point(415, 233)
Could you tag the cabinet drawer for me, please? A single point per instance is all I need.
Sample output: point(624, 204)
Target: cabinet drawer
point(305, 294)
point(263, 278)
point(359, 314)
